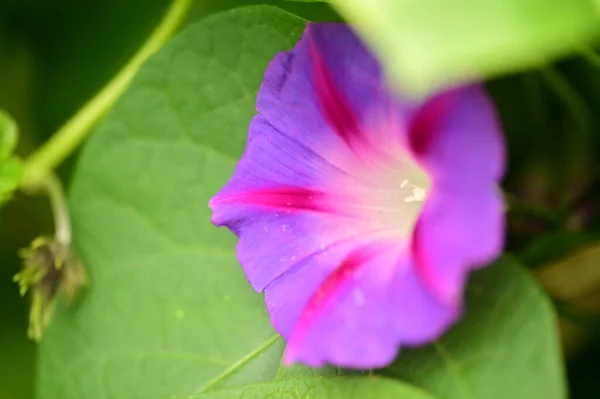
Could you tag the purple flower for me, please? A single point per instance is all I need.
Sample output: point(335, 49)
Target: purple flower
point(360, 213)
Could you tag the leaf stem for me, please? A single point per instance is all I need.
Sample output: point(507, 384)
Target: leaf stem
point(60, 209)
point(43, 161)
point(237, 365)
point(572, 100)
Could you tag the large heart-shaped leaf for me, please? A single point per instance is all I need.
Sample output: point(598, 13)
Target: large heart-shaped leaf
point(168, 309)
point(319, 388)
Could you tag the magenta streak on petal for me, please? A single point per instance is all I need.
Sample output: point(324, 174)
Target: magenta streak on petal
point(332, 284)
point(425, 123)
point(336, 110)
point(426, 273)
point(290, 198)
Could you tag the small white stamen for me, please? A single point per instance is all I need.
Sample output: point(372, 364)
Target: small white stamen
point(418, 195)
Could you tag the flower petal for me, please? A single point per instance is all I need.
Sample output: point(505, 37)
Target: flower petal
point(355, 307)
point(328, 92)
point(460, 228)
point(302, 153)
point(456, 136)
point(274, 159)
point(273, 242)
point(285, 202)
point(325, 199)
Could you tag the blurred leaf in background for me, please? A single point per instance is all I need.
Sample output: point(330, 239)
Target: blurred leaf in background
point(431, 43)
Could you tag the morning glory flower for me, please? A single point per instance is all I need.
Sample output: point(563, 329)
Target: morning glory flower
point(360, 213)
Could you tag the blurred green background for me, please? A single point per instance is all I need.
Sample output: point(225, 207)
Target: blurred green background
point(56, 54)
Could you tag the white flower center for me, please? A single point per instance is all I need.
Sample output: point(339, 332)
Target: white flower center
point(395, 196)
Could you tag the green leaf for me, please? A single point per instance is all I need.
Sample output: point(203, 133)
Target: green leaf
point(11, 168)
point(8, 135)
point(168, 310)
point(11, 171)
point(319, 388)
point(505, 347)
point(428, 43)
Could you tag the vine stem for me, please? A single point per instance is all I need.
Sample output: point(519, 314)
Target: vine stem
point(60, 210)
point(572, 100)
point(41, 163)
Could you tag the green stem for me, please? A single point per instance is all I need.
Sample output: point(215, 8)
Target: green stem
point(60, 210)
point(572, 100)
point(42, 162)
